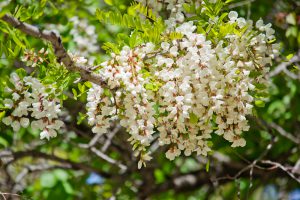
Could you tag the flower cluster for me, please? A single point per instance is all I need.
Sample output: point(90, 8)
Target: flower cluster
point(185, 89)
point(32, 58)
point(126, 98)
point(35, 102)
point(85, 38)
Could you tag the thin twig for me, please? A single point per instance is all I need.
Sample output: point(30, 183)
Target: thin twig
point(109, 159)
point(35, 168)
point(284, 133)
point(110, 137)
point(278, 165)
point(8, 194)
point(2, 194)
point(283, 67)
point(74, 165)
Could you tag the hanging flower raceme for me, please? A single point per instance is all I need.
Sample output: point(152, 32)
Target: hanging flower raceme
point(187, 88)
point(32, 103)
point(186, 81)
point(85, 38)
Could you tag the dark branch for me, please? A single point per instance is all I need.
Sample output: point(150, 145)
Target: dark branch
point(73, 165)
point(60, 52)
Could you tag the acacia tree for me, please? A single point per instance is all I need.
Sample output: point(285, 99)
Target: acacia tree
point(158, 110)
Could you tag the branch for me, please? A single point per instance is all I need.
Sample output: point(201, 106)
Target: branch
point(20, 185)
point(73, 165)
point(91, 146)
point(278, 165)
point(110, 137)
point(59, 50)
point(37, 168)
point(109, 159)
point(3, 194)
point(283, 67)
point(284, 133)
point(270, 126)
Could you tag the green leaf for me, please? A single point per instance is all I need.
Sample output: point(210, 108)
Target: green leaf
point(223, 16)
point(107, 92)
point(193, 118)
point(88, 84)
point(48, 180)
point(229, 1)
point(159, 176)
point(16, 40)
point(272, 41)
point(109, 2)
point(110, 47)
point(188, 165)
point(210, 144)
point(292, 31)
point(61, 174)
point(80, 118)
point(3, 142)
point(74, 93)
point(152, 86)
point(156, 108)
point(207, 165)
point(289, 57)
point(68, 187)
point(2, 114)
point(81, 87)
point(260, 103)
point(149, 28)
point(21, 72)
point(260, 86)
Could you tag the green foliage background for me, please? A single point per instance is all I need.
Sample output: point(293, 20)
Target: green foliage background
point(282, 108)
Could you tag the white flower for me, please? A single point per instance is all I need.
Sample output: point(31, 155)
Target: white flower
point(85, 38)
point(241, 142)
point(37, 124)
point(14, 77)
point(44, 134)
point(174, 51)
point(259, 24)
point(241, 22)
point(8, 103)
point(143, 159)
point(172, 153)
point(233, 15)
point(16, 96)
point(7, 120)
point(15, 125)
point(24, 122)
point(179, 17)
point(165, 46)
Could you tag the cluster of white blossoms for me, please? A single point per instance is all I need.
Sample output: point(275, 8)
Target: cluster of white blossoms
point(85, 38)
point(126, 98)
point(31, 58)
point(185, 89)
point(32, 103)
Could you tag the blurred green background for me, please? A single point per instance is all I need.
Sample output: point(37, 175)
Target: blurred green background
point(187, 177)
